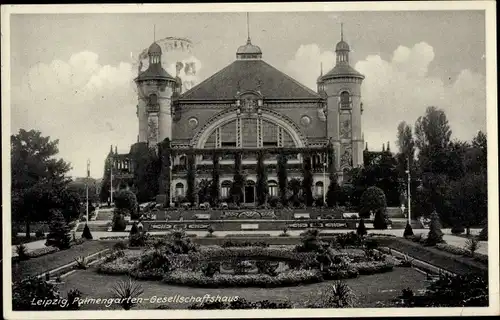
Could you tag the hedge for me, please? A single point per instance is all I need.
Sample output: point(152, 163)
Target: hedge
point(287, 278)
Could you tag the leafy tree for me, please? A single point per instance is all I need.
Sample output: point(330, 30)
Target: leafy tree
point(215, 186)
point(58, 231)
point(435, 234)
point(39, 181)
point(480, 145)
point(261, 187)
point(373, 199)
point(165, 164)
point(468, 198)
point(307, 181)
point(79, 187)
point(191, 179)
point(204, 190)
point(126, 201)
point(334, 193)
point(34, 289)
point(282, 178)
point(295, 188)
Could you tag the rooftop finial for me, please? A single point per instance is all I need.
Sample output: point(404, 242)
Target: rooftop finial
point(248, 27)
point(341, 31)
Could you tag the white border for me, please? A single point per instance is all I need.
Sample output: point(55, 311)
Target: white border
point(492, 133)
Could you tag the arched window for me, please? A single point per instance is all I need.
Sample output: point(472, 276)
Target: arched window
point(319, 188)
point(179, 189)
point(345, 100)
point(273, 188)
point(225, 187)
point(183, 161)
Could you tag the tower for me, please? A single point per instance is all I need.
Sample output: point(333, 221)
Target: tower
point(154, 109)
point(341, 87)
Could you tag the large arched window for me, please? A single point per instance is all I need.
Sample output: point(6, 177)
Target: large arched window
point(319, 188)
point(345, 100)
point(225, 188)
point(273, 188)
point(179, 189)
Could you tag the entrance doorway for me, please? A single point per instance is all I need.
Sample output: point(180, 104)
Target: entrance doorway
point(249, 194)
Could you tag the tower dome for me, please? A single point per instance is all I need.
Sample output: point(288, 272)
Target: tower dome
point(342, 46)
point(248, 51)
point(154, 49)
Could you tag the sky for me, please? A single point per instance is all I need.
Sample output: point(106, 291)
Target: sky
point(71, 74)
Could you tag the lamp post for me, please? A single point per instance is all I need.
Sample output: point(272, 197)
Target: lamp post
point(87, 189)
point(324, 184)
point(409, 194)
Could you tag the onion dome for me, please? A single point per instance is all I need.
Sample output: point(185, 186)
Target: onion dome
point(249, 51)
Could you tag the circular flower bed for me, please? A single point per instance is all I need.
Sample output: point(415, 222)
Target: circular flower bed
point(287, 278)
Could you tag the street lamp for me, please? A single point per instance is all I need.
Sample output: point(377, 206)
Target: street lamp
point(409, 194)
point(87, 189)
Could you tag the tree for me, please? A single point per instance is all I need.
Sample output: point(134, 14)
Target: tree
point(295, 187)
point(86, 234)
point(191, 179)
point(380, 220)
point(435, 234)
point(58, 231)
point(468, 199)
point(307, 181)
point(215, 192)
point(261, 187)
point(204, 189)
point(373, 199)
point(39, 181)
point(282, 178)
point(334, 193)
point(126, 201)
point(480, 145)
point(119, 223)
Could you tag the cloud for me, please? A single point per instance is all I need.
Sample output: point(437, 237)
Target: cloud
point(86, 105)
point(401, 89)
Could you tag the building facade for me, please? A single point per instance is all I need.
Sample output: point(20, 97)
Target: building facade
point(250, 105)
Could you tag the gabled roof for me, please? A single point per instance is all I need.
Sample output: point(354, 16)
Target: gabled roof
point(342, 70)
point(245, 75)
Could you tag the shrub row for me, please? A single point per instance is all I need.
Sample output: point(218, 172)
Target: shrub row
point(288, 278)
point(373, 267)
point(462, 252)
point(41, 252)
point(248, 235)
point(252, 252)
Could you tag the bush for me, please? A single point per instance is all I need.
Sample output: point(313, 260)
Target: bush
point(119, 223)
point(361, 230)
point(33, 288)
point(240, 304)
point(380, 221)
point(373, 199)
point(408, 231)
point(273, 202)
point(287, 278)
point(229, 243)
point(435, 234)
point(336, 295)
point(22, 252)
point(348, 239)
point(86, 232)
point(120, 245)
point(39, 233)
point(457, 229)
point(134, 229)
point(483, 235)
point(138, 239)
point(472, 244)
point(127, 201)
point(58, 231)
point(210, 268)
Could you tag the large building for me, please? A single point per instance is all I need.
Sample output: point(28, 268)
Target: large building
point(250, 105)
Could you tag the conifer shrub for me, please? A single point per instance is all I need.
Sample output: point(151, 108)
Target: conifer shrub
point(86, 234)
point(380, 221)
point(408, 231)
point(361, 230)
point(59, 231)
point(483, 235)
point(435, 234)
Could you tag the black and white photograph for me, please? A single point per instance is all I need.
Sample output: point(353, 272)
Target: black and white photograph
point(290, 159)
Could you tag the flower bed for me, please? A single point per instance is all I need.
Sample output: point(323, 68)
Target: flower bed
point(41, 252)
point(288, 278)
point(248, 235)
point(123, 265)
point(214, 253)
point(373, 267)
point(461, 252)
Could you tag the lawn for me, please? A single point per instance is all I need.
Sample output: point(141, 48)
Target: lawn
point(51, 261)
point(436, 257)
point(376, 290)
